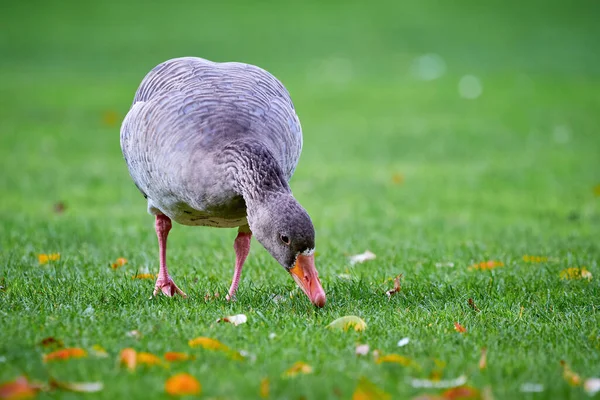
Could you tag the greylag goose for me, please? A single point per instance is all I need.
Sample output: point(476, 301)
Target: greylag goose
point(215, 144)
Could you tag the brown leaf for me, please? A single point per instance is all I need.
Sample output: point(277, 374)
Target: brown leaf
point(265, 388)
point(473, 305)
point(459, 328)
point(397, 359)
point(20, 388)
point(461, 392)
point(182, 384)
point(51, 342)
point(396, 288)
point(59, 207)
point(367, 390)
point(65, 354)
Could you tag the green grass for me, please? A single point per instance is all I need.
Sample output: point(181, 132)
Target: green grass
point(491, 178)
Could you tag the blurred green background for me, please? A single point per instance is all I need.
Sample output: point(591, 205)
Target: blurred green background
point(434, 132)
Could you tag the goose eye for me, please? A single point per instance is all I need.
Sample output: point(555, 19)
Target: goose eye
point(285, 239)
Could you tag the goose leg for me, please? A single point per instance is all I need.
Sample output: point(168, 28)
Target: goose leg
point(164, 282)
point(242, 248)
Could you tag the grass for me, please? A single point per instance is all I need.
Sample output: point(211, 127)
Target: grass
point(507, 174)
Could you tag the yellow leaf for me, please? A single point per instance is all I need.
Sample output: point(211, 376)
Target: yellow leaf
point(144, 276)
point(20, 388)
point(298, 368)
point(486, 265)
point(119, 263)
point(176, 356)
point(395, 358)
point(366, 390)
point(208, 343)
point(45, 258)
point(129, 358)
point(571, 377)
point(99, 351)
point(182, 384)
point(148, 359)
point(347, 322)
point(264, 388)
point(575, 273)
point(65, 354)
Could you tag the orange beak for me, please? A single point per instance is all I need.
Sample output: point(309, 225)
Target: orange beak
point(307, 277)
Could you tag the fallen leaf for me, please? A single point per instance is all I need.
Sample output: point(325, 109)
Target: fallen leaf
point(81, 387)
point(571, 377)
point(172, 356)
point(367, 390)
point(591, 386)
point(403, 342)
point(459, 328)
point(436, 384)
point(129, 358)
point(148, 359)
point(362, 350)
point(265, 388)
point(45, 258)
point(360, 258)
point(51, 341)
point(234, 319)
point(531, 387)
point(59, 207)
point(20, 388)
point(483, 359)
point(99, 351)
point(144, 276)
point(119, 263)
point(396, 288)
point(396, 359)
point(486, 265)
point(575, 273)
point(473, 305)
point(298, 368)
point(461, 392)
point(214, 345)
point(182, 384)
point(64, 354)
point(347, 322)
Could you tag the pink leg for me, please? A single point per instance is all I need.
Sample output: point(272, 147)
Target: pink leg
point(242, 248)
point(164, 282)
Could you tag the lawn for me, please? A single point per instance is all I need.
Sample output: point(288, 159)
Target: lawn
point(396, 160)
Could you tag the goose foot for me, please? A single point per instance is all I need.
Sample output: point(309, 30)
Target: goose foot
point(167, 287)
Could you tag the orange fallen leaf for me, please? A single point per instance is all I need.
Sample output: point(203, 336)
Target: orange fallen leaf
point(148, 359)
point(396, 359)
point(128, 357)
point(575, 273)
point(119, 263)
point(214, 345)
point(459, 328)
point(65, 354)
point(45, 258)
point(367, 390)
point(182, 384)
point(298, 368)
point(265, 388)
point(486, 265)
point(396, 288)
point(20, 388)
point(461, 392)
point(571, 377)
point(483, 359)
point(144, 276)
point(51, 341)
point(172, 356)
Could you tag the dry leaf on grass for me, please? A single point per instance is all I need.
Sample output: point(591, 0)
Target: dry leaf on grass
point(46, 258)
point(486, 265)
point(459, 328)
point(298, 368)
point(347, 322)
point(51, 342)
point(182, 384)
point(119, 263)
point(575, 273)
point(144, 276)
point(437, 384)
point(396, 288)
point(214, 345)
point(483, 359)
point(461, 392)
point(360, 258)
point(234, 319)
point(265, 388)
point(172, 356)
point(148, 359)
point(396, 359)
point(81, 387)
point(367, 390)
point(571, 377)
point(534, 259)
point(362, 349)
point(591, 386)
point(128, 357)
point(65, 354)
point(20, 388)
point(473, 305)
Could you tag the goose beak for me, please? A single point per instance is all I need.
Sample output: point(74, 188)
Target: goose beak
point(307, 277)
